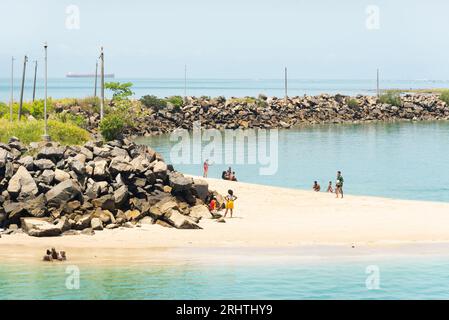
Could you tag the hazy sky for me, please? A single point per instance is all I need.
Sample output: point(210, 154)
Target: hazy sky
point(232, 38)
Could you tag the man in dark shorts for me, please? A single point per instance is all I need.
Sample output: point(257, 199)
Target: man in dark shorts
point(339, 184)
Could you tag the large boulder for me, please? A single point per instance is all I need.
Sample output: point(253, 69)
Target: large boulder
point(82, 222)
point(201, 188)
point(4, 157)
point(36, 207)
point(133, 215)
point(63, 192)
point(159, 166)
point(22, 183)
point(179, 182)
point(38, 227)
point(200, 211)
point(51, 153)
point(27, 162)
point(120, 165)
point(179, 220)
point(160, 169)
point(106, 202)
point(44, 164)
point(96, 224)
point(61, 175)
point(101, 169)
point(121, 196)
point(47, 177)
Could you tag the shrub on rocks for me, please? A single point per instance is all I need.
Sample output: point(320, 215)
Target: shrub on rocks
point(111, 127)
point(153, 102)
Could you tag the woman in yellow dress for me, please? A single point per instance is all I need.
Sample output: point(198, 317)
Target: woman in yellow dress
point(230, 198)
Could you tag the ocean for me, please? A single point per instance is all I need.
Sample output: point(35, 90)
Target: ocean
point(349, 278)
point(405, 160)
point(82, 87)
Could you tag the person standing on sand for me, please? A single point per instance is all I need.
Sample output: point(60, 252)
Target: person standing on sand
point(205, 168)
point(339, 184)
point(230, 198)
point(316, 187)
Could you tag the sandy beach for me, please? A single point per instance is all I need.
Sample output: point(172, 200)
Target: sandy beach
point(266, 217)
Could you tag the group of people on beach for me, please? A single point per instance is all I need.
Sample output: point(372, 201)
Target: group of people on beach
point(225, 175)
point(52, 254)
point(229, 175)
point(338, 186)
point(229, 203)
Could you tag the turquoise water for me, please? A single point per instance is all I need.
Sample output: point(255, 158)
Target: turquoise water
point(397, 279)
point(405, 160)
point(82, 87)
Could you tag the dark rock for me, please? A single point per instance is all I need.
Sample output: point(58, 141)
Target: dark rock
point(106, 202)
point(63, 192)
point(179, 182)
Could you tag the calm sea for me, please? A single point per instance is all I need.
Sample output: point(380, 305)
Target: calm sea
point(394, 278)
point(82, 87)
point(406, 160)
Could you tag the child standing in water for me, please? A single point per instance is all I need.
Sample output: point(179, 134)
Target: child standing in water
point(329, 187)
point(206, 165)
point(339, 185)
point(230, 198)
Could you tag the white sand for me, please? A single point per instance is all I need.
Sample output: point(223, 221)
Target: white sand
point(268, 217)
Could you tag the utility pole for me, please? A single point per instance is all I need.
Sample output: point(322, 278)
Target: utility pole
point(377, 90)
point(34, 84)
point(185, 82)
point(23, 85)
point(96, 72)
point(45, 137)
point(11, 102)
point(285, 85)
point(102, 84)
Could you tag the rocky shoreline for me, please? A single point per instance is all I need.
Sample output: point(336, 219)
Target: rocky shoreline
point(272, 112)
point(51, 190)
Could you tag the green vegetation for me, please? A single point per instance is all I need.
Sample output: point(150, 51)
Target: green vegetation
point(120, 90)
point(246, 100)
point(32, 131)
point(353, 103)
point(35, 109)
point(67, 117)
point(177, 102)
point(444, 96)
point(112, 126)
point(153, 102)
point(392, 98)
point(118, 114)
point(429, 90)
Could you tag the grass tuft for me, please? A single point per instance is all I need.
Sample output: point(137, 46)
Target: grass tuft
point(32, 131)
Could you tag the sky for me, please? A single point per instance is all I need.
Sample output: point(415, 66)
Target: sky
point(235, 39)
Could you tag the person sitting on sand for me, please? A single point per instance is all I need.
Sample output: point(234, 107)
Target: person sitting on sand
point(47, 256)
point(230, 198)
point(339, 185)
point(316, 187)
point(224, 175)
point(330, 189)
point(61, 256)
point(213, 205)
point(54, 254)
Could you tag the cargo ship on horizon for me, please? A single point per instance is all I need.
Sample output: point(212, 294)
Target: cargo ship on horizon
point(87, 75)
